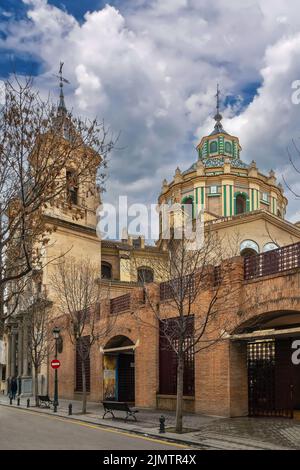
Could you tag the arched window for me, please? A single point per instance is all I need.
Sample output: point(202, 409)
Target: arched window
point(270, 246)
point(106, 270)
point(249, 248)
point(213, 147)
point(241, 203)
point(145, 275)
point(228, 147)
point(188, 201)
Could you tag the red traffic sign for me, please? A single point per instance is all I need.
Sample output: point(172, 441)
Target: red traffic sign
point(55, 363)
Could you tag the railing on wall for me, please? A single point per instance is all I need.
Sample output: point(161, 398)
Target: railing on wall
point(120, 304)
point(184, 286)
point(189, 284)
point(272, 262)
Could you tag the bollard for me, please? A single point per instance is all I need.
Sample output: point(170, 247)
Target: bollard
point(162, 421)
point(28, 402)
point(10, 400)
point(70, 409)
point(55, 408)
point(18, 401)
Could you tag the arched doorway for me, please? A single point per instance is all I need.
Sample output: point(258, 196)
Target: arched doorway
point(273, 377)
point(118, 369)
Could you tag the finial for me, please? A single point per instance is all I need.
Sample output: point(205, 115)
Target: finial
point(218, 116)
point(61, 106)
point(164, 185)
point(218, 98)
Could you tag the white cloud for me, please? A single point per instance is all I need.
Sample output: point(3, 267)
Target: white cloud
point(151, 70)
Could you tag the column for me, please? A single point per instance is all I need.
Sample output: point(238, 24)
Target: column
point(13, 355)
point(8, 358)
point(25, 350)
point(20, 349)
point(254, 196)
point(227, 198)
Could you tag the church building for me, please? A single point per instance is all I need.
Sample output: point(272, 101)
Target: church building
point(249, 372)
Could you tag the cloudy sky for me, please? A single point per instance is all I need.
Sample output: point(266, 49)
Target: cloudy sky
point(150, 69)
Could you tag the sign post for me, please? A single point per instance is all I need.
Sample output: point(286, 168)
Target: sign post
point(55, 363)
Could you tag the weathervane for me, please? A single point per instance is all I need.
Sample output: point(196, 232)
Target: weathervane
point(62, 106)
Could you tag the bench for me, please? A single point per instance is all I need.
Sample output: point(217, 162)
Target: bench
point(111, 406)
point(45, 401)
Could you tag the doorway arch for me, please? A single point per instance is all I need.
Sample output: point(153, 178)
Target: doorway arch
point(273, 378)
point(119, 369)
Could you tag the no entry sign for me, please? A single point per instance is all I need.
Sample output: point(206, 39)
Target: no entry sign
point(55, 363)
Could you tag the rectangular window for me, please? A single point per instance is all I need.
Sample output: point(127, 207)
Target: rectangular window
point(82, 352)
point(213, 189)
point(265, 197)
point(168, 358)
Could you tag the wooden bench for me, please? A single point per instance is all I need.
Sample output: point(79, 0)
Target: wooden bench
point(111, 406)
point(45, 401)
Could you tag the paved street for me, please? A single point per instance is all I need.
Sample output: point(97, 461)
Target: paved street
point(204, 431)
point(27, 430)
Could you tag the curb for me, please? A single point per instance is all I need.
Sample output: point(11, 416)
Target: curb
point(130, 431)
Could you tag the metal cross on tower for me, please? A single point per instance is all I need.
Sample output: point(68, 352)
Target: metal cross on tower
point(218, 116)
point(218, 99)
point(62, 106)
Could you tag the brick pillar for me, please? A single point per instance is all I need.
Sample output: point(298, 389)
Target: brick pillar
point(238, 378)
point(212, 380)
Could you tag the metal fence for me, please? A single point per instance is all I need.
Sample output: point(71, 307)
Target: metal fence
point(272, 262)
point(120, 304)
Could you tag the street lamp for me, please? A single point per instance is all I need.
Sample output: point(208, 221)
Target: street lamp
point(56, 336)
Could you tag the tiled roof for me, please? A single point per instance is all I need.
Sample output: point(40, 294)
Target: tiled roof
point(217, 162)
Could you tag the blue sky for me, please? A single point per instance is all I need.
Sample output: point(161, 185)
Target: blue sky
point(150, 68)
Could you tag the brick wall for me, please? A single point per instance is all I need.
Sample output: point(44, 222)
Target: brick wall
point(221, 386)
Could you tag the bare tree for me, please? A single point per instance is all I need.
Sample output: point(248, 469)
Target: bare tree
point(39, 323)
point(45, 152)
point(80, 298)
point(196, 280)
point(292, 152)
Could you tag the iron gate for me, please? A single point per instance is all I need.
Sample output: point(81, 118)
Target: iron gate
point(270, 383)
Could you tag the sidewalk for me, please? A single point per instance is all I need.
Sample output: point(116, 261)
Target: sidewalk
point(205, 432)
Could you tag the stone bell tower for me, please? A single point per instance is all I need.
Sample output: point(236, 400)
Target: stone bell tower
point(72, 233)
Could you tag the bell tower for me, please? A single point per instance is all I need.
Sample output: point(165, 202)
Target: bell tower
point(72, 221)
point(81, 196)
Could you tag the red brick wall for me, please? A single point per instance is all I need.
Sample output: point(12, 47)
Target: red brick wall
point(221, 370)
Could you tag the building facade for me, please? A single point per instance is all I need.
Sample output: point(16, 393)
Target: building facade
point(250, 371)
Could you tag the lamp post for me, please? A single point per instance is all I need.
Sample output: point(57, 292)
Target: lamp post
point(56, 332)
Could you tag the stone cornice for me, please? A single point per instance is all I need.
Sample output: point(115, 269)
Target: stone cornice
point(252, 216)
point(70, 225)
point(193, 178)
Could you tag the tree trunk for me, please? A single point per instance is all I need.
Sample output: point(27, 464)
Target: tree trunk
point(179, 398)
point(83, 386)
point(36, 386)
